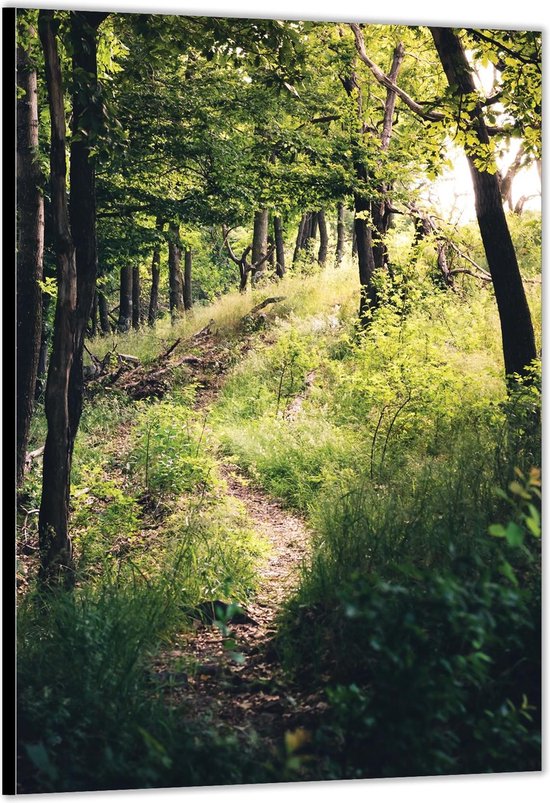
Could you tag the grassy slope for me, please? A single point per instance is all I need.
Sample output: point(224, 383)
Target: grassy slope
point(396, 444)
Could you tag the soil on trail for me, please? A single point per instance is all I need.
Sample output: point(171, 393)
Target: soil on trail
point(244, 686)
point(252, 691)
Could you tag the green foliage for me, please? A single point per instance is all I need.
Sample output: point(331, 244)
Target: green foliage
point(442, 679)
point(168, 455)
point(89, 715)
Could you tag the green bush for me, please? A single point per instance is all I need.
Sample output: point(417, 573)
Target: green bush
point(168, 454)
point(443, 677)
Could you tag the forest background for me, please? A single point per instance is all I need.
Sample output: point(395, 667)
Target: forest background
point(320, 12)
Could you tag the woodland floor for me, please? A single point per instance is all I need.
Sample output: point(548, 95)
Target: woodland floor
point(251, 693)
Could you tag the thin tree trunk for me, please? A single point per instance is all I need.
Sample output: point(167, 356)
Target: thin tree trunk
point(323, 238)
point(187, 279)
point(279, 246)
point(299, 237)
point(340, 236)
point(136, 298)
point(259, 240)
point(126, 297)
point(43, 355)
point(174, 272)
point(518, 338)
point(54, 541)
point(93, 316)
point(104, 322)
point(30, 251)
point(380, 207)
point(155, 279)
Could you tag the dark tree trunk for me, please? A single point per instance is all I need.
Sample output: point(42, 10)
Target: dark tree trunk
point(187, 279)
point(86, 119)
point(93, 316)
point(279, 246)
point(74, 289)
point(271, 258)
point(340, 236)
point(363, 238)
point(43, 355)
point(55, 544)
point(313, 225)
point(174, 272)
point(126, 297)
point(299, 237)
point(515, 319)
point(323, 238)
point(104, 322)
point(136, 298)
point(155, 279)
point(30, 251)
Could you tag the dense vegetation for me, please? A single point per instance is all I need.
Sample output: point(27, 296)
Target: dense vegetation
point(235, 173)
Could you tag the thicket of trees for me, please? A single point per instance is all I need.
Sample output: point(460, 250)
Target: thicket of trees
point(168, 149)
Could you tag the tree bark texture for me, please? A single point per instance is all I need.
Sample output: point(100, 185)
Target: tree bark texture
point(323, 238)
point(259, 238)
point(86, 122)
point(299, 237)
point(259, 242)
point(136, 298)
point(187, 279)
point(518, 338)
point(174, 272)
point(279, 246)
point(340, 236)
point(30, 252)
point(126, 299)
point(103, 307)
point(155, 279)
point(54, 541)
point(76, 259)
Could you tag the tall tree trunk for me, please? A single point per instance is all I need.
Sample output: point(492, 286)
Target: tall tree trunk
point(93, 316)
point(76, 274)
point(86, 119)
point(104, 322)
point(126, 298)
point(279, 246)
point(174, 272)
point(30, 251)
point(380, 207)
point(259, 240)
point(518, 338)
point(43, 354)
point(55, 544)
point(155, 279)
point(340, 236)
point(323, 238)
point(299, 237)
point(187, 279)
point(136, 297)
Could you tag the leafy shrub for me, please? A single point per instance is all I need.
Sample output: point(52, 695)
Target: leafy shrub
point(435, 673)
point(168, 452)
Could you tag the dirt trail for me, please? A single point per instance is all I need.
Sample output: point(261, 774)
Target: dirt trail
point(252, 693)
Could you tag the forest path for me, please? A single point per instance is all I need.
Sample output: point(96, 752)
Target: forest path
point(251, 691)
point(244, 686)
